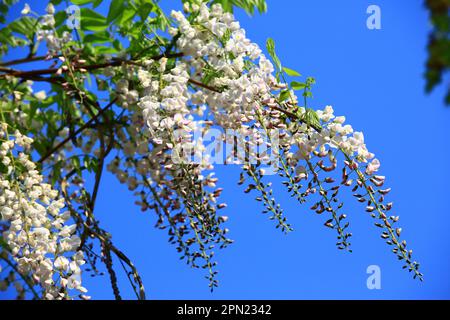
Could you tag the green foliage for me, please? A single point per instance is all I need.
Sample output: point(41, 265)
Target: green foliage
point(92, 20)
point(115, 9)
point(310, 117)
point(248, 5)
point(291, 72)
point(270, 45)
point(284, 95)
point(25, 26)
point(98, 37)
point(4, 8)
point(438, 62)
point(298, 85)
point(81, 2)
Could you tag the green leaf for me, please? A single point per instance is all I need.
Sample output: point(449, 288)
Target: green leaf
point(311, 118)
point(60, 17)
point(97, 3)
point(105, 50)
point(248, 5)
point(89, 49)
point(125, 16)
point(298, 85)
point(226, 5)
point(4, 244)
point(117, 45)
point(56, 172)
point(32, 113)
point(284, 95)
point(97, 37)
point(81, 2)
point(144, 10)
point(93, 21)
point(310, 81)
point(270, 45)
point(115, 9)
point(6, 37)
point(25, 26)
point(261, 5)
point(291, 72)
point(307, 94)
point(76, 163)
point(91, 164)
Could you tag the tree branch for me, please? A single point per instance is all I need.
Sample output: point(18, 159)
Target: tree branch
point(25, 60)
point(113, 63)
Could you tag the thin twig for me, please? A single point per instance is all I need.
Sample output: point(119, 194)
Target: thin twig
point(112, 273)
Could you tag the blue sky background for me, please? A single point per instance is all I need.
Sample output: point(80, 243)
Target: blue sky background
point(374, 78)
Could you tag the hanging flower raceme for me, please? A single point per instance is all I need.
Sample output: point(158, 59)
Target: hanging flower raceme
point(224, 76)
point(37, 234)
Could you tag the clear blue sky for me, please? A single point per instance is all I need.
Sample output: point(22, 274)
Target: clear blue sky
point(374, 78)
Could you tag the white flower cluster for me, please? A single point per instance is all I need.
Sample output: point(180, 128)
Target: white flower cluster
point(164, 104)
point(47, 33)
point(215, 45)
point(335, 135)
point(242, 82)
point(174, 98)
point(38, 236)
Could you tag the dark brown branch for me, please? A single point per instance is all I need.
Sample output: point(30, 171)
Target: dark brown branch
point(25, 60)
point(200, 84)
point(113, 63)
point(105, 150)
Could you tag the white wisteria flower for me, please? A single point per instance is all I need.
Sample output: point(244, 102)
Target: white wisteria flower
point(38, 237)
